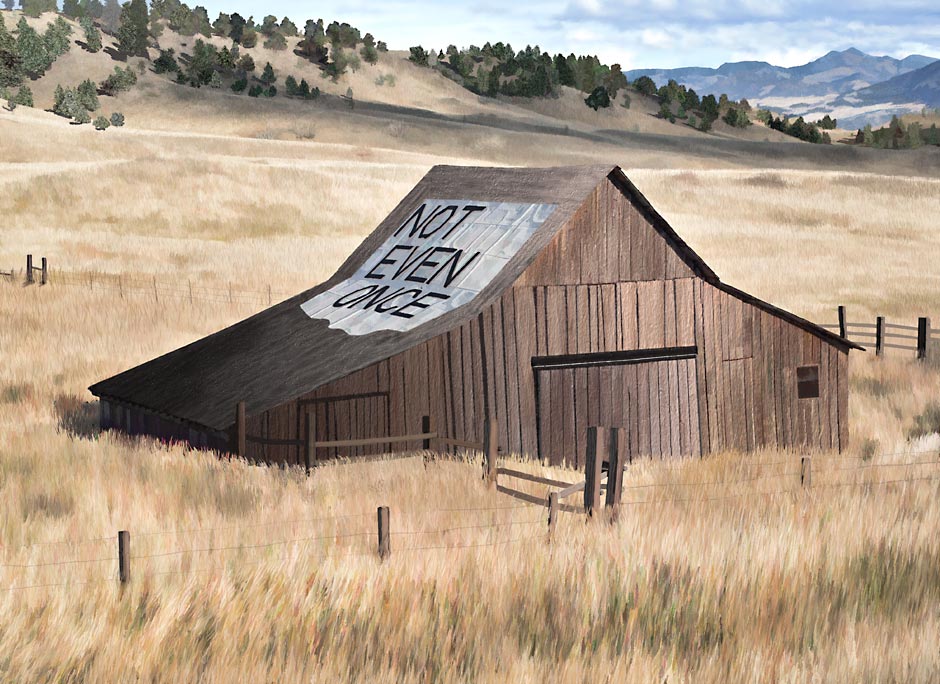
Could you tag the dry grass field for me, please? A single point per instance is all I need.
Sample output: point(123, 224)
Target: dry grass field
point(726, 571)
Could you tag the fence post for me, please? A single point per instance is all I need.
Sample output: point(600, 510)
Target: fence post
point(490, 450)
point(594, 459)
point(269, 295)
point(190, 282)
point(44, 276)
point(155, 297)
point(311, 455)
point(121, 285)
point(124, 556)
point(241, 435)
point(617, 459)
point(806, 473)
point(842, 326)
point(880, 336)
point(385, 547)
point(923, 337)
point(426, 428)
point(552, 512)
point(29, 269)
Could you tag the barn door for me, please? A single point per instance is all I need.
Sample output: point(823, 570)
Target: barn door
point(352, 416)
point(654, 398)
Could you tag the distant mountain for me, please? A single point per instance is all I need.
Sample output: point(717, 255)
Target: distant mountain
point(851, 85)
point(921, 86)
point(836, 73)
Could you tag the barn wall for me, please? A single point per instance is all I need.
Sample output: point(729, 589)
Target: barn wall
point(608, 240)
point(747, 379)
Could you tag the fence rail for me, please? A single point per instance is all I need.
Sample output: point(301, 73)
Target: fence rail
point(924, 344)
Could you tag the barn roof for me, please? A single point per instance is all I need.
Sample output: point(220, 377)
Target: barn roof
point(282, 352)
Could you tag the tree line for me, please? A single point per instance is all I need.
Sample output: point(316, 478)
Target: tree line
point(898, 136)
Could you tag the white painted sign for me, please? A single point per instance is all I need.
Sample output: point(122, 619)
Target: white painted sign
point(440, 258)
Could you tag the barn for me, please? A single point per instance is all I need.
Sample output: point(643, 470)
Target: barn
point(549, 299)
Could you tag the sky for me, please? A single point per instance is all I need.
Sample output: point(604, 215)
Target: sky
point(635, 34)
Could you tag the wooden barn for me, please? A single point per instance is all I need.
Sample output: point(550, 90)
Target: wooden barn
point(553, 299)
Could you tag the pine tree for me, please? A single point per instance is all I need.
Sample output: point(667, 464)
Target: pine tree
point(24, 96)
point(87, 94)
point(32, 49)
point(303, 90)
point(132, 34)
point(56, 38)
point(369, 54)
point(290, 86)
point(267, 76)
point(73, 9)
point(92, 35)
point(11, 64)
point(117, 119)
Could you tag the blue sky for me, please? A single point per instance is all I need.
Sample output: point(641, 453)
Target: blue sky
point(652, 33)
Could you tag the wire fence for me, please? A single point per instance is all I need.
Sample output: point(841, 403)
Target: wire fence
point(352, 539)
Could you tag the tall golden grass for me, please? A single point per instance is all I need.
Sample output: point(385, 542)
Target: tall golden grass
point(246, 573)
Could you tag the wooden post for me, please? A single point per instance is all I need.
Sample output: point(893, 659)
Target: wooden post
point(552, 512)
point(490, 450)
point(594, 459)
point(124, 556)
point(617, 460)
point(29, 269)
point(155, 297)
point(923, 337)
point(241, 435)
point(806, 473)
point(121, 285)
point(426, 428)
point(44, 276)
point(311, 455)
point(880, 336)
point(385, 547)
point(229, 293)
point(189, 280)
point(842, 331)
point(269, 295)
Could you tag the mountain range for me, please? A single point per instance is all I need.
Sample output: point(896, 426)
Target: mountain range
point(851, 85)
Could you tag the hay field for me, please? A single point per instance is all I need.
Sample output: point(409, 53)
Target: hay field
point(243, 573)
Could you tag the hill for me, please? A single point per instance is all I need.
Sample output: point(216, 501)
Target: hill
point(921, 86)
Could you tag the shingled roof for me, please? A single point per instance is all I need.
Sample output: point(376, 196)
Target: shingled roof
point(282, 353)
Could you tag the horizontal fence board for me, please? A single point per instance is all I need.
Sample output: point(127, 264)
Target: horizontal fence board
point(905, 347)
point(372, 441)
point(891, 335)
point(873, 326)
point(863, 334)
point(532, 478)
point(901, 327)
point(466, 444)
point(521, 495)
point(271, 441)
point(573, 489)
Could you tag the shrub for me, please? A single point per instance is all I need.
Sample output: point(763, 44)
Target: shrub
point(245, 63)
point(868, 448)
point(598, 98)
point(101, 123)
point(418, 55)
point(271, 91)
point(254, 91)
point(120, 80)
point(87, 95)
point(81, 116)
point(239, 85)
point(249, 38)
point(166, 62)
point(369, 54)
point(276, 41)
point(926, 422)
point(11, 104)
point(117, 119)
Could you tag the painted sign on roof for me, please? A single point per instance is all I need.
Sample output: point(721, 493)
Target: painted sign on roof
point(440, 258)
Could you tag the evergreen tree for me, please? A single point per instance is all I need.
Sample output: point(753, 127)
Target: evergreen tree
point(132, 33)
point(101, 123)
point(56, 38)
point(303, 90)
point(166, 62)
point(73, 9)
point(111, 15)
point(223, 25)
point(33, 8)
point(202, 64)
point(249, 38)
point(11, 63)
point(239, 85)
point(369, 54)
point(288, 28)
point(599, 97)
point(246, 63)
point(24, 96)
point(117, 119)
point(645, 85)
point(290, 86)
point(32, 49)
point(215, 81)
point(87, 95)
point(418, 55)
point(267, 75)
point(276, 41)
point(92, 35)
point(237, 23)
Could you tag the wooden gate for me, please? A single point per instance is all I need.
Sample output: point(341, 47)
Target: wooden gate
point(653, 394)
point(348, 417)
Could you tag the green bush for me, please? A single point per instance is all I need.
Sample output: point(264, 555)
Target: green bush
point(101, 123)
point(926, 422)
point(239, 85)
point(117, 119)
point(599, 97)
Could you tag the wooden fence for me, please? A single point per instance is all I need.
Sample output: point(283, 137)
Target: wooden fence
point(427, 437)
point(31, 271)
point(920, 338)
